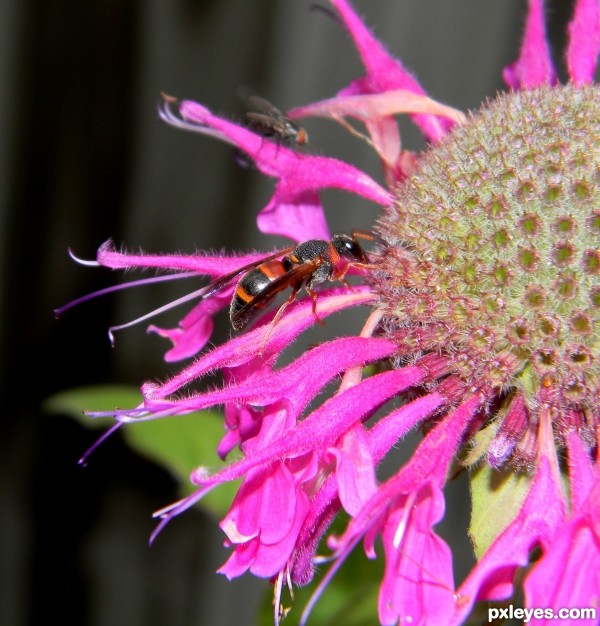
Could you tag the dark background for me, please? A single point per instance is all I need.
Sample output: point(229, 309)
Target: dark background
point(83, 158)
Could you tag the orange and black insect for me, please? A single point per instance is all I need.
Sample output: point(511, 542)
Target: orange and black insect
point(267, 120)
point(305, 265)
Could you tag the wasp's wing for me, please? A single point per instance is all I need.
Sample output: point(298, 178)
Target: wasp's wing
point(294, 278)
point(224, 281)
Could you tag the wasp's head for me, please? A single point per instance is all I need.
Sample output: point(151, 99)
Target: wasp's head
point(348, 248)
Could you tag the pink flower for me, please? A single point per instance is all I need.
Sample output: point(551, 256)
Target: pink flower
point(485, 297)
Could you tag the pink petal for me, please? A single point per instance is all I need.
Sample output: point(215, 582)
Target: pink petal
point(252, 512)
point(244, 348)
point(297, 383)
point(534, 66)
point(428, 464)
point(215, 266)
point(568, 575)
point(367, 107)
point(418, 584)
point(325, 504)
point(390, 429)
point(376, 111)
point(325, 425)
point(584, 42)
point(537, 521)
point(583, 475)
point(272, 559)
point(195, 329)
point(384, 72)
point(294, 209)
point(299, 217)
point(355, 470)
point(241, 560)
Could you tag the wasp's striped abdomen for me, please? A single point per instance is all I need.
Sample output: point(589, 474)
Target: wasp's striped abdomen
point(252, 292)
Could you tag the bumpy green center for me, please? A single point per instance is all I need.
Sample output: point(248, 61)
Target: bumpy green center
point(494, 248)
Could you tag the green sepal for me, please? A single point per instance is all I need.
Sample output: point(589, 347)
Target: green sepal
point(496, 498)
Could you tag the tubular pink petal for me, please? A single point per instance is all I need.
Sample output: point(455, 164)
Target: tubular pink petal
point(217, 265)
point(294, 206)
point(369, 107)
point(418, 584)
point(243, 348)
point(297, 383)
point(583, 475)
point(324, 425)
point(429, 464)
point(390, 429)
point(584, 42)
point(534, 66)
point(426, 470)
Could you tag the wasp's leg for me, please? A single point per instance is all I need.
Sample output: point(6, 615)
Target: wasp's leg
point(313, 294)
point(277, 317)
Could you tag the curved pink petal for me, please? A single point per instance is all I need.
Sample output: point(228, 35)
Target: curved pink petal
point(297, 383)
point(324, 426)
point(541, 514)
point(583, 475)
point(418, 583)
point(194, 330)
point(295, 209)
point(384, 72)
point(584, 42)
point(355, 469)
point(251, 513)
point(366, 107)
point(244, 348)
point(376, 111)
point(428, 464)
point(534, 66)
point(568, 574)
point(208, 265)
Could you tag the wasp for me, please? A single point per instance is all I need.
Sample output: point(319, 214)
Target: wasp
point(305, 265)
point(267, 120)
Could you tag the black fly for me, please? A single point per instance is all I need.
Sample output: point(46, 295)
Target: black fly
point(267, 120)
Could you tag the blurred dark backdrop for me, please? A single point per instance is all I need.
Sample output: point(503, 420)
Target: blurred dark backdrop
point(83, 158)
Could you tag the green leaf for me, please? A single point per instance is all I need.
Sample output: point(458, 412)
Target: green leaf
point(73, 402)
point(178, 443)
point(496, 497)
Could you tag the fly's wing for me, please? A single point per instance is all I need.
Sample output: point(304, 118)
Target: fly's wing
point(295, 278)
point(267, 125)
point(227, 279)
point(264, 106)
point(270, 120)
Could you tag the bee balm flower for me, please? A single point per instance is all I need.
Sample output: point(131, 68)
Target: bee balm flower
point(485, 297)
